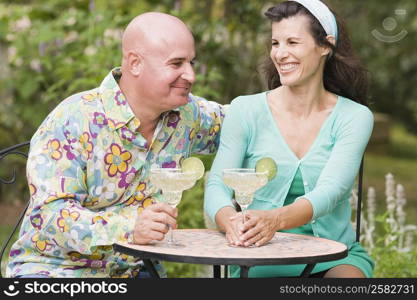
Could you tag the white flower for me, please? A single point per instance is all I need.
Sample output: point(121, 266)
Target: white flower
point(106, 190)
point(71, 37)
point(71, 21)
point(11, 52)
point(90, 51)
point(35, 65)
point(10, 37)
point(18, 61)
point(22, 24)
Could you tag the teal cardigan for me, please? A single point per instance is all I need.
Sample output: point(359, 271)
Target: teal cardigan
point(329, 168)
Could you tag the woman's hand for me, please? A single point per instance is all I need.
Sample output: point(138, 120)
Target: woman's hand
point(229, 225)
point(233, 229)
point(259, 227)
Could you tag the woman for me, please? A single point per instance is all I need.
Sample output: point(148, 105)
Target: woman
point(314, 123)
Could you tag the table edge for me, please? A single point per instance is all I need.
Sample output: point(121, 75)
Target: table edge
point(229, 261)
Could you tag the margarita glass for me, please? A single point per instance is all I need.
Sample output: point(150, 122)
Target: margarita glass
point(172, 182)
point(244, 182)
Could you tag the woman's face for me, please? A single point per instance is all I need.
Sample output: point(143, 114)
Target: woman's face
point(294, 52)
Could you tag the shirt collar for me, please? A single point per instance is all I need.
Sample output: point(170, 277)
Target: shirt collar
point(116, 108)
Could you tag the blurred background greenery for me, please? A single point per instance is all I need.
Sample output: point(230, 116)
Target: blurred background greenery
point(51, 49)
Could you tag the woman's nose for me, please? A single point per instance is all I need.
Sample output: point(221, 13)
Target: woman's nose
point(281, 52)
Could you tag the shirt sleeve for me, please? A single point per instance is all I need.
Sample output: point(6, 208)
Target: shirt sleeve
point(57, 180)
point(233, 144)
point(207, 133)
point(338, 175)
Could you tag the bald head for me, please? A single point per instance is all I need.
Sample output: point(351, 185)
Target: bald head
point(151, 31)
point(157, 65)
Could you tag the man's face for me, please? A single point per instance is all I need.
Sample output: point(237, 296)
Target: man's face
point(167, 72)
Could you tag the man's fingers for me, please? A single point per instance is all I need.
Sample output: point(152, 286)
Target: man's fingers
point(164, 218)
point(160, 227)
point(163, 207)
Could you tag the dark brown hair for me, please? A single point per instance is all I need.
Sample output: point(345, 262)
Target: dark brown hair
point(343, 74)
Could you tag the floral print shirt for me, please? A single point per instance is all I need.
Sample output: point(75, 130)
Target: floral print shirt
point(88, 171)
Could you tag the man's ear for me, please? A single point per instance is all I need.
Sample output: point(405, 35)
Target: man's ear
point(134, 61)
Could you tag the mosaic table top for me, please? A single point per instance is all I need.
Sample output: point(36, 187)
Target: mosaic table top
point(211, 247)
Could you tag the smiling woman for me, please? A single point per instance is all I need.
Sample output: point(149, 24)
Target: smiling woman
point(313, 123)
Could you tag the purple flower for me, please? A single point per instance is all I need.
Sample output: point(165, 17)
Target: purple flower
point(69, 137)
point(99, 119)
point(171, 164)
point(127, 178)
point(120, 98)
point(36, 221)
point(15, 252)
point(127, 134)
point(68, 149)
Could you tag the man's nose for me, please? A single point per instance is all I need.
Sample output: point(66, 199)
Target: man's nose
point(189, 73)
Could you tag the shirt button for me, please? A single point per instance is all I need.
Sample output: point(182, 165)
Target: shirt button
point(305, 183)
point(313, 222)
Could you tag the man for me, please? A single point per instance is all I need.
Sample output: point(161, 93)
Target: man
point(89, 160)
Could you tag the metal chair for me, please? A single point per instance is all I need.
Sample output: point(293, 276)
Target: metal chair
point(359, 204)
point(16, 150)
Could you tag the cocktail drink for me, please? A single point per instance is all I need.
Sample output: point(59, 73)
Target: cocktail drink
point(244, 182)
point(172, 182)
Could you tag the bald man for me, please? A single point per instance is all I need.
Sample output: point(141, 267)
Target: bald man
point(89, 160)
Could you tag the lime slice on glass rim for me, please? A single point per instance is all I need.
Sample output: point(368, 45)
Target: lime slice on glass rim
point(193, 164)
point(267, 164)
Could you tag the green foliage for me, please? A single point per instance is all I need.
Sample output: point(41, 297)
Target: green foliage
point(393, 264)
point(389, 261)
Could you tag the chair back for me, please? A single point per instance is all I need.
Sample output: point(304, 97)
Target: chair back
point(16, 150)
point(359, 202)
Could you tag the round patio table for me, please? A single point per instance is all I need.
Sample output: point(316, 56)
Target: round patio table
point(209, 247)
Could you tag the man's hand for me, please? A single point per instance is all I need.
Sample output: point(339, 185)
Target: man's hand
point(153, 223)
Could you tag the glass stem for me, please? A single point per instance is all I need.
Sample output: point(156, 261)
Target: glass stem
point(244, 208)
point(171, 235)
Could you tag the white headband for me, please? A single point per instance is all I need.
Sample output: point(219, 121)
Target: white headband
point(323, 14)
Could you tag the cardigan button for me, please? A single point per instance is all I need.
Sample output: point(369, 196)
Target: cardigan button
point(305, 183)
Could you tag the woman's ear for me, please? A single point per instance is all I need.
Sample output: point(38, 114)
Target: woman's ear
point(327, 50)
point(331, 39)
